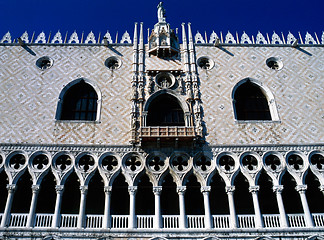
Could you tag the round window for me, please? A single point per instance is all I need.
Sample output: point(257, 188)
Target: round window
point(165, 80)
point(44, 63)
point(113, 63)
point(274, 63)
point(205, 63)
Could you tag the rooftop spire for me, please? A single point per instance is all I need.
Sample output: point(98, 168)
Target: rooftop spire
point(161, 12)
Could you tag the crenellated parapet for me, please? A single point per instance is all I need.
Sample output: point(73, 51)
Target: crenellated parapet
point(201, 39)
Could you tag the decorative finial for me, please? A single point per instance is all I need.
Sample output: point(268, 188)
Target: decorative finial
point(161, 12)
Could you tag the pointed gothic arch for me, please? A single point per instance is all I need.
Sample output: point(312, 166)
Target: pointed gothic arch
point(165, 108)
point(79, 100)
point(252, 101)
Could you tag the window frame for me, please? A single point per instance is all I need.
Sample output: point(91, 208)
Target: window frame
point(60, 103)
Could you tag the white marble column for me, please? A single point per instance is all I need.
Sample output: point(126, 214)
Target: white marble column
point(182, 218)
point(302, 193)
point(257, 212)
point(57, 212)
point(283, 217)
point(107, 218)
point(132, 216)
point(157, 217)
point(208, 218)
point(6, 215)
point(230, 194)
point(32, 210)
point(81, 218)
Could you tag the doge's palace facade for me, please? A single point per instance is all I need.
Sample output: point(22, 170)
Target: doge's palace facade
point(169, 136)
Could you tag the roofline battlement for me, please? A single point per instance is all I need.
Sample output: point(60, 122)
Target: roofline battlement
point(213, 40)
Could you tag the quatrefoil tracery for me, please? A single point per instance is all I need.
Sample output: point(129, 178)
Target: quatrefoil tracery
point(317, 160)
point(203, 163)
point(250, 162)
point(227, 163)
point(295, 161)
point(273, 162)
point(133, 163)
point(180, 163)
point(17, 161)
point(109, 163)
point(86, 163)
point(156, 163)
point(40, 161)
point(63, 162)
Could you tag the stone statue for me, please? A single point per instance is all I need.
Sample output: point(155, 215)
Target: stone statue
point(161, 12)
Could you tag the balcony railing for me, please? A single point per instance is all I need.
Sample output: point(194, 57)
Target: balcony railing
point(149, 132)
point(170, 221)
point(271, 220)
point(43, 220)
point(221, 221)
point(246, 221)
point(296, 220)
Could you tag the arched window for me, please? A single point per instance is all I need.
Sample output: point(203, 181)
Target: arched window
point(250, 103)
point(165, 110)
point(79, 103)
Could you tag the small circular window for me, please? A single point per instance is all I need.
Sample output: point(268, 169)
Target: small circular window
point(205, 63)
point(165, 80)
point(44, 63)
point(113, 63)
point(274, 63)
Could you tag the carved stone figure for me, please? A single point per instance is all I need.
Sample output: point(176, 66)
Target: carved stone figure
point(161, 12)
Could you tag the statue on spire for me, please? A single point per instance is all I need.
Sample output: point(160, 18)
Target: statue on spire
point(161, 12)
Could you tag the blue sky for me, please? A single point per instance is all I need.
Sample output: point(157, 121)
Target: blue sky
point(250, 16)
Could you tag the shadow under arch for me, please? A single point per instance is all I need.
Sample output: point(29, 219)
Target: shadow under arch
point(91, 83)
point(169, 97)
point(274, 116)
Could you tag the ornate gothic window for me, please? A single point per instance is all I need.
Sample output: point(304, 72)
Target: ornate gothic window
point(250, 103)
point(79, 103)
point(165, 110)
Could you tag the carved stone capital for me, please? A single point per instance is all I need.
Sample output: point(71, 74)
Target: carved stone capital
point(35, 188)
point(59, 188)
point(205, 189)
point(84, 189)
point(230, 189)
point(301, 188)
point(157, 190)
point(132, 189)
point(108, 189)
point(11, 188)
point(321, 188)
point(254, 189)
point(278, 188)
point(181, 189)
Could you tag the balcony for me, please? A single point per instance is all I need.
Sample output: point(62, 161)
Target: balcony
point(149, 133)
point(69, 221)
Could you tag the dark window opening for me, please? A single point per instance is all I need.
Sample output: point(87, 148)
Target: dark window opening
point(3, 190)
point(165, 110)
point(290, 196)
point(169, 197)
point(144, 197)
point(250, 103)
point(194, 201)
point(80, 103)
point(95, 196)
point(242, 197)
point(218, 198)
point(314, 195)
point(267, 197)
point(23, 194)
point(47, 194)
point(120, 196)
point(71, 195)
